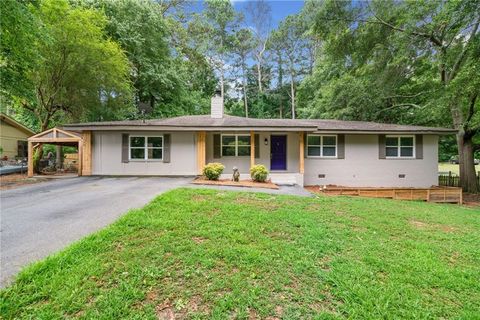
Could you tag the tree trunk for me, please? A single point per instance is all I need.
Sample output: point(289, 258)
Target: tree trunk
point(468, 176)
point(292, 93)
point(222, 70)
point(39, 150)
point(221, 83)
point(259, 71)
point(245, 97)
point(59, 157)
point(280, 81)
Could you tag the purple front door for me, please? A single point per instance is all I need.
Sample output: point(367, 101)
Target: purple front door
point(278, 152)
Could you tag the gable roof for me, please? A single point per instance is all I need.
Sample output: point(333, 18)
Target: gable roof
point(232, 123)
point(16, 124)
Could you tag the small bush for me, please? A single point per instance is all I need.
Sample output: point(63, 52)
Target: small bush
point(213, 170)
point(259, 173)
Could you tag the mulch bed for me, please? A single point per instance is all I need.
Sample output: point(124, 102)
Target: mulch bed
point(241, 183)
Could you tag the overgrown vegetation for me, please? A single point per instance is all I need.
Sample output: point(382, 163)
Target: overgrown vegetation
point(205, 254)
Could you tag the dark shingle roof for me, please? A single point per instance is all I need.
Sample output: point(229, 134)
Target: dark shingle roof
point(202, 121)
point(230, 122)
point(339, 125)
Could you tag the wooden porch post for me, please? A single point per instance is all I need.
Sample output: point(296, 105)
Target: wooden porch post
point(80, 158)
point(301, 152)
point(201, 151)
point(87, 153)
point(252, 151)
point(30, 159)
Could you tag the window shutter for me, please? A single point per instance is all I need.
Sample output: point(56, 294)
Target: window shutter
point(216, 146)
point(166, 148)
point(257, 146)
point(305, 147)
point(419, 146)
point(381, 147)
point(125, 150)
point(341, 146)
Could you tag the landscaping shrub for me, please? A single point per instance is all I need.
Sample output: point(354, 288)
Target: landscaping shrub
point(259, 173)
point(213, 170)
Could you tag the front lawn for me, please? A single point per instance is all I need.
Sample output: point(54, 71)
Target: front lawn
point(196, 253)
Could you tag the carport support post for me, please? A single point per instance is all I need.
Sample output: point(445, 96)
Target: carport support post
point(80, 158)
point(301, 152)
point(30, 159)
point(252, 152)
point(201, 151)
point(87, 153)
point(59, 157)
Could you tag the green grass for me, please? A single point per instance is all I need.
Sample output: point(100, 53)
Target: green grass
point(446, 167)
point(205, 254)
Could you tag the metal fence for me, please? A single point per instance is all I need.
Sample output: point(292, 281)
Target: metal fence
point(452, 179)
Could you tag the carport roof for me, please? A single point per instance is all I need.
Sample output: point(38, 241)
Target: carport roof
point(232, 123)
point(56, 136)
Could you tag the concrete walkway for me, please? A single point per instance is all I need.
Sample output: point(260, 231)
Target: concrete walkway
point(43, 218)
point(285, 190)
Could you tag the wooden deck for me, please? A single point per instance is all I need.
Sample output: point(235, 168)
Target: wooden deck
point(433, 194)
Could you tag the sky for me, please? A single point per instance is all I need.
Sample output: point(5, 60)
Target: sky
point(280, 8)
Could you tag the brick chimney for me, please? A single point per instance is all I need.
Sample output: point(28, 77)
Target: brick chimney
point(216, 106)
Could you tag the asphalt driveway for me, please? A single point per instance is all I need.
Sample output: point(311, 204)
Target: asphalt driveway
point(41, 219)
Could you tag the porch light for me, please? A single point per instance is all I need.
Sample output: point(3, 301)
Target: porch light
point(266, 141)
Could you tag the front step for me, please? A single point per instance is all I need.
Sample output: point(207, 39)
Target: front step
point(283, 179)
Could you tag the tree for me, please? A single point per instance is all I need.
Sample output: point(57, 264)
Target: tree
point(312, 43)
point(139, 28)
point(169, 75)
point(221, 21)
point(417, 59)
point(77, 69)
point(19, 29)
point(289, 35)
point(242, 47)
point(198, 80)
point(259, 14)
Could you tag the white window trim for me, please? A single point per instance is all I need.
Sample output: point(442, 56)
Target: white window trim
point(236, 144)
point(399, 156)
point(145, 147)
point(321, 145)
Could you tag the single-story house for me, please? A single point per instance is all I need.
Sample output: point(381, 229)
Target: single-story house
point(13, 138)
point(305, 152)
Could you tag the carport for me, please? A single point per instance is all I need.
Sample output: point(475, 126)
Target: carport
point(59, 137)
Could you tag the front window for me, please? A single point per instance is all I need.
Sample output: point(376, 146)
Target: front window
point(235, 145)
point(321, 146)
point(146, 147)
point(400, 146)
